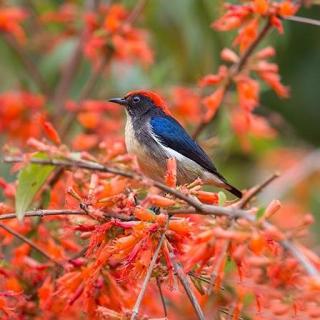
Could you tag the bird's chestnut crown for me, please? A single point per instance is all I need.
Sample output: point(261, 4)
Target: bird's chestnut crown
point(140, 102)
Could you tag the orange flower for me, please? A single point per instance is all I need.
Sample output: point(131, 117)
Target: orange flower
point(261, 6)
point(51, 132)
point(89, 120)
point(171, 175)
point(160, 201)
point(45, 293)
point(10, 21)
point(180, 226)
point(273, 80)
point(247, 35)
point(115, 17)
point(66, 13)
point(287, 8)
point(229, 55)
point(207, 197)
point(248, 91)
point(20, 116)
point(265, 53)
point(128, 43)
point(213, 79)
point(186, 104)
point(257, 243)
point(84, 142)
point(213, 102)
point(144, 214)
point(236, 15)
point(244, 123)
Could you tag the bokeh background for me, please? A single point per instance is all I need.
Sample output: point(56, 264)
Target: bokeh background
point(185, 49)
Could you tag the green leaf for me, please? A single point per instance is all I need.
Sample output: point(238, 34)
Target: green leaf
point(30, 180)
point(222, 198)
point(260, 213)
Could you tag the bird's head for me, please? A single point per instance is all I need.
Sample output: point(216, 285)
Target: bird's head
point(140, 102)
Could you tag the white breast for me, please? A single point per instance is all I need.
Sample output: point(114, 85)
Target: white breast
point(131, 142)
point(148, 163)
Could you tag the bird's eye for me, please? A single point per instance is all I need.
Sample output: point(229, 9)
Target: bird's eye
point(136, 99)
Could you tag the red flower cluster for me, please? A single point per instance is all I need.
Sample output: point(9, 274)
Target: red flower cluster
point(20, 115)
point(110, 31)
point(11, 19)
point(247, 16)
point(247, 66)
point(98, 120)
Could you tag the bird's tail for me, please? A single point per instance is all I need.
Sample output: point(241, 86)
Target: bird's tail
point(233, 190)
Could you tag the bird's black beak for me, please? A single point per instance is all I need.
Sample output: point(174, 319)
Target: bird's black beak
point(121, 101)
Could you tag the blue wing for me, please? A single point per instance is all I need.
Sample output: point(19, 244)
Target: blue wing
point(172, 135)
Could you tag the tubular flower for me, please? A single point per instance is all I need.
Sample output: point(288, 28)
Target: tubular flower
point(109, 31)
point(20, 112)
point(11, 20)
point(246, 15)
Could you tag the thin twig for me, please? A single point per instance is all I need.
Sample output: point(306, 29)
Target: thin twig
point(305, 20)
point(186, 285)
point(235, 69)
point(163, 301)
point(136, 11)
point(43, 213)
point(197, 207)
point(65, 212)
point(30, 243)
point(255, 190)
point(146, 280)
point(30, 66)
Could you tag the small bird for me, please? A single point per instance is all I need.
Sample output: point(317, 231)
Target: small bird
point(154, 136)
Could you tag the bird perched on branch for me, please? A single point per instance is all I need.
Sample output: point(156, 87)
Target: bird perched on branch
point(154, 136)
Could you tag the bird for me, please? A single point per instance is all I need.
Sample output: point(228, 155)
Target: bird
point(153, 135)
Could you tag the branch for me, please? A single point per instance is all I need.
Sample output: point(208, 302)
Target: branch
point(197, 207)
point(63, 212)
point(163, 301)
point(70, 163)
point(43, 213)
point(146, 280)
point(305, 20)
point(186, 285)
point(30, 243)
point(31, 67)
point(255, 190)
point(235, 69)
